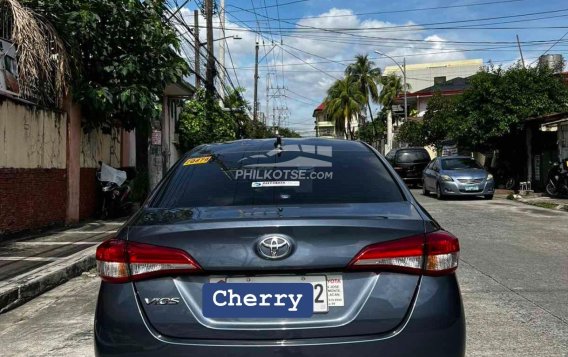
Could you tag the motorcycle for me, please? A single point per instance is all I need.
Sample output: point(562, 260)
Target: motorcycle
point(115, 192)
point(557, 184)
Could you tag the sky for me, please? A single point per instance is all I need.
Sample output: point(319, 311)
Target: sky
point(305, 45)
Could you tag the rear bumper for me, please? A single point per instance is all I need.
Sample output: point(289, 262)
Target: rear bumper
point(435, 327)
point(412, 179)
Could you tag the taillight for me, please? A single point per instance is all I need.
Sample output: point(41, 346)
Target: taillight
point(434, 254)
point(120, 261)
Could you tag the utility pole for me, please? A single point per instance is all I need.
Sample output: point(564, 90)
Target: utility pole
point(197, 47)
point(210, 75)
point(389, 112)
point(267, 97)
point(222, 48)
point(255, 104)
point(521, 51)
point(405, 101)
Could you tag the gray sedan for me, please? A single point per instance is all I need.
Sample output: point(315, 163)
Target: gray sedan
point(280, 247)
point(457, 176)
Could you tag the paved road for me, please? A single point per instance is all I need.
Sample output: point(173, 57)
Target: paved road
point(513, 275)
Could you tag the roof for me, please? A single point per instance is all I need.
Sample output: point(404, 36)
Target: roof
point(180, 89)
point(547, 118)
point(454, 85)
point(318, 109)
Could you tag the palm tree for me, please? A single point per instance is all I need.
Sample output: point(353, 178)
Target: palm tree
point(344, 99)
point(392, 88)
point(368, 77)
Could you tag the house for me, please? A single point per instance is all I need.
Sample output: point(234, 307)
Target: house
point(426, 79)
point(546, 141)
point(418, 100)
point(164, 152)
point(325, 127)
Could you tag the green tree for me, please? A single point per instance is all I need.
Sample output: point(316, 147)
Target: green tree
point(237, 108)
point(343, 102)
point(368, 77)
point(122, 55)
point(440, 120)
point(288, 133)
point(412, 133)
point(194, 129)
point(392, 88)
point(499, 100)
point(370, 132)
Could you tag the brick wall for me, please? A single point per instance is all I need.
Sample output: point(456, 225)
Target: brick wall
point(88, 193)
point(31, 198)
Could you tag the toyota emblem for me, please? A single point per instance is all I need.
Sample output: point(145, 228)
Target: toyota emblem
point(274, 246)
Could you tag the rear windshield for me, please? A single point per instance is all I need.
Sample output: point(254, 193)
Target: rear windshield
point(410, 156)
point(300, 174)
point(459, 164)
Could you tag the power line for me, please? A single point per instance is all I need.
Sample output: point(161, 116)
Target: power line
point(416, 26)
point(394, 11)
point(270, 6)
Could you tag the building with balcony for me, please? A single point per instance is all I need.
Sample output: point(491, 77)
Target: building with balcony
point(325, 127)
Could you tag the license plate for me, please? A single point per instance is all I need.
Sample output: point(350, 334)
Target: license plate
point(264, 300)
point(326, 290)
point(319, 284)
point(472, 188)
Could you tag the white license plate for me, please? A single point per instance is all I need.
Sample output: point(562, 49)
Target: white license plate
point(472, 188)
point(319, 282)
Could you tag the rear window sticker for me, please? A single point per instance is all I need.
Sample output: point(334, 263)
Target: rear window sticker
point(275, 184)
point(197, 160)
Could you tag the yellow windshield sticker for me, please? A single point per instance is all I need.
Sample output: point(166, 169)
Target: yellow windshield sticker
point(197, 160)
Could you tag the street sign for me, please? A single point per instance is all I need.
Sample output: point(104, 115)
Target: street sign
point(156, 137)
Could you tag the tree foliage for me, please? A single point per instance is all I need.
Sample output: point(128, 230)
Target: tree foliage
point(441, 120)
point(393, 86)
point(225, 124)
point(499, 100)
point(344, 101)
point(411, 132)
point(288, 133)
point(368, 77)
point(194, 129)
point(495, 104)
point(123, 53)
point(371, 132)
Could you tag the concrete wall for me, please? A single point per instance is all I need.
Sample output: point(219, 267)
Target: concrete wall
point(97, 146)
point(31, 138)
point(48, 166)
point(33, 187)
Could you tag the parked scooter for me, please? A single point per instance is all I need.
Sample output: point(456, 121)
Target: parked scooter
point(115, 192)
point(557, 184)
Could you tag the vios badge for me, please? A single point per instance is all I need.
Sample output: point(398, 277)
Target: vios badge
point(274, 246)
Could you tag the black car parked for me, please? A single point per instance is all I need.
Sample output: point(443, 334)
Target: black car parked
point(409, 163)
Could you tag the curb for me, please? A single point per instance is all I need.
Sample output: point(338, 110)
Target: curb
point(21, 289)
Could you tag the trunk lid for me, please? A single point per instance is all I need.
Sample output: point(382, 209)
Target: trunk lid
point(326, 237)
